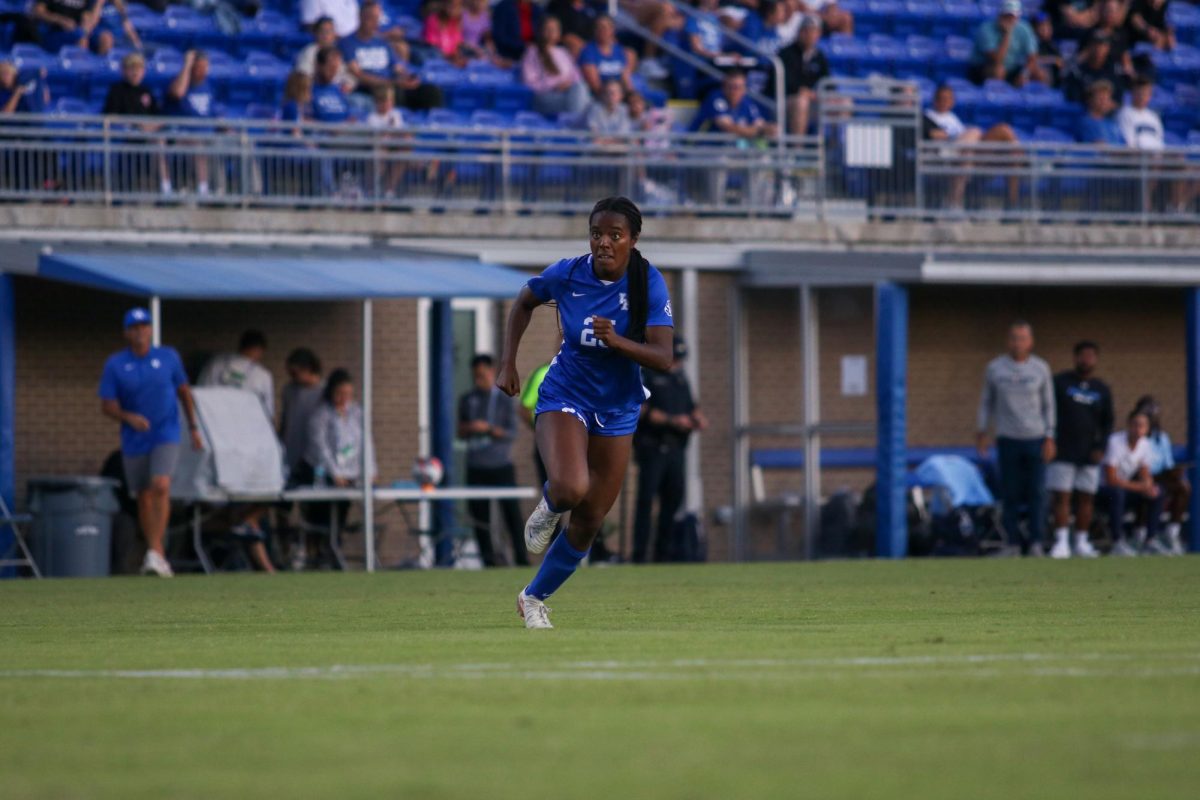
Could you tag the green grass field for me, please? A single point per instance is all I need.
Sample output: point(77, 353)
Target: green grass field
point(918, 679)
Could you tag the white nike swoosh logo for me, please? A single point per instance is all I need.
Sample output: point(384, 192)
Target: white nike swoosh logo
point(578, 294)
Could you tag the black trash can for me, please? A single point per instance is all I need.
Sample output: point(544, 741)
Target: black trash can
point(72, 524)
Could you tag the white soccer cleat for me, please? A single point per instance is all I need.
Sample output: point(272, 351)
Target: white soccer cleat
point(1084, 549)
point(1061, 549)
point(1176, 544)
point(1123, 548)
point(540, 527)
point(535, 613)
point(1158, 547)
point(155, 564)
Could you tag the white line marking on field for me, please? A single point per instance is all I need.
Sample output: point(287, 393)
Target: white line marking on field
point(1046, 665)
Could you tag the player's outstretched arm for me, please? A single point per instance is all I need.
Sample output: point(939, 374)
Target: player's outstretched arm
point(508, 380)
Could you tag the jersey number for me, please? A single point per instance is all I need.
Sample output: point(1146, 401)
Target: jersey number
point(588, 337)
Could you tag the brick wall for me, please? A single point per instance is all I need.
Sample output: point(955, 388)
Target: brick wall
point(64, 335)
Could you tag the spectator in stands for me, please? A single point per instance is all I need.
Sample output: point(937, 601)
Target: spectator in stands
point(189, 95)
point(1049, 55)
point(487, 421)
point(343, 13)
point(101, 38)
point(387, 118)
point(55, 24)
point(728, 110)
point(578, 21)
point(548, 69)
point(1141, 127)
point(297, 100)
point(444, 31)
point(834, 18)
point(1112, 25)
point(371, 62)
point(1084, 409)
point(608, 117)
point(514, 26)
point(477, 30)
point(1099, 124)
point(1147, 22)
point(765, 28)
point(335, 445)
point(129, 97)
point(1018, 398)
point(142, 387)
point(604, 59)
point(329, 103)
point(1072, 18)
point(1094, 63)
point(14, 97)
point(1174, 489)
point(1127, 473)
point(244, 370)
point(804, 65)
point(942, 124)
point(1006, 49)
point(324, 35)
point(654, 125)
point(705, 34)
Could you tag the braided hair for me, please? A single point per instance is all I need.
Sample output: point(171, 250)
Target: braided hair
point(638, 271)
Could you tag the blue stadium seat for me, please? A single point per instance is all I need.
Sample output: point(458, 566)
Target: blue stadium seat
point(885, 55)
point(512, 99)
point(531, 120)
point(845, 53)
point(262, 81)
point(30, 60)
point(75, 72)
point(163, 66)
point(187, 28)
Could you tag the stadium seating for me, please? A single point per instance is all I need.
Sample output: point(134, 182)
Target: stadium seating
point(926, 41)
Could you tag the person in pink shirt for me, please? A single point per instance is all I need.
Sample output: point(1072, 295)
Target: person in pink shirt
point(548, 69)
point(444, 30)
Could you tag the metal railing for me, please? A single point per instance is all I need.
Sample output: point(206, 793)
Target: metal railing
point(90, 159)
point(868, 163)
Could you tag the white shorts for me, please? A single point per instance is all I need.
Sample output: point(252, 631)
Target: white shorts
point(1066, 478)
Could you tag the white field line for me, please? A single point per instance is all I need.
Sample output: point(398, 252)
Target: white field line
point(1048, 665)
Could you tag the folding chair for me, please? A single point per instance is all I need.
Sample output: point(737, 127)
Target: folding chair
point(15, 521)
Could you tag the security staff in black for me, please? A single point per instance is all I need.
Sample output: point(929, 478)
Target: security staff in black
point(668, 418)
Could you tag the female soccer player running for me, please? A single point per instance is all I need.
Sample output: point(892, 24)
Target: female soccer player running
point(615, 315)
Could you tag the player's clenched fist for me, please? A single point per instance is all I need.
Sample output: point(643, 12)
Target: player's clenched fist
point(604, 330)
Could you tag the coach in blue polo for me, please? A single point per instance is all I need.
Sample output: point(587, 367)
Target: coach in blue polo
point(139, 388)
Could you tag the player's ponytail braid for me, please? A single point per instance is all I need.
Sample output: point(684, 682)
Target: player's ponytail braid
point(637, 272)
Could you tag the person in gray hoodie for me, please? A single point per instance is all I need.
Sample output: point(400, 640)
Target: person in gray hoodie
point(1018, 399)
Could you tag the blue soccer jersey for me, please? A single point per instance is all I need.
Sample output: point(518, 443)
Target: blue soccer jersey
point(585, 373)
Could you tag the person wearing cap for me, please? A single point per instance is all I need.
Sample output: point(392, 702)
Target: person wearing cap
point(139, 388)
point(1006, 49)
point(668, 418)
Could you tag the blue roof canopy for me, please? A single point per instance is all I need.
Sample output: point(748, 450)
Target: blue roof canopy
point(230, 274)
